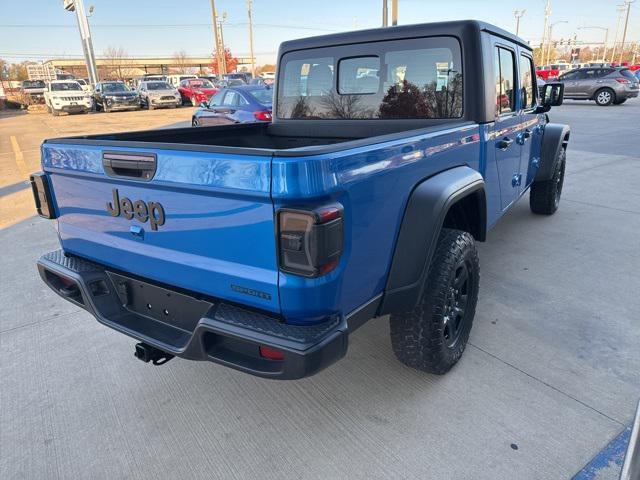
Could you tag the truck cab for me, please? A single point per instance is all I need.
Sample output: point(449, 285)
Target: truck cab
point(264, 247)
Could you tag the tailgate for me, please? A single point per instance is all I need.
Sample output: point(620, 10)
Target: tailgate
point(201, 221)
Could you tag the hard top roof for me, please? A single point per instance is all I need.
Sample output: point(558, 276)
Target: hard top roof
point(400, 32)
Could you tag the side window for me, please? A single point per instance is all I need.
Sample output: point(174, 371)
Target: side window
point(588, 74)
point(505, 76)
point(216, 100)
point(231, 99)
point(527, 83)
point(570, 75)
point(242, 101)
point(358, 75)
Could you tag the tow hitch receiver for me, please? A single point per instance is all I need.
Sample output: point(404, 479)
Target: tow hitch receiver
point(147, 354)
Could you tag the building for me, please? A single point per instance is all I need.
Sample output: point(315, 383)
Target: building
point(130, 67)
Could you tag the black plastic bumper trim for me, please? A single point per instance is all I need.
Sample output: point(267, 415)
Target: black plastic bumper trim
point(227, 334)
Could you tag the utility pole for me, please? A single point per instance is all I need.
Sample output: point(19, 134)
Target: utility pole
point(394, 12)
point(543, 43)
point(624, 32)
point(253, 62)
point(219, 42)
point(214, 18)
point(621, 9)
point(222, 49)
point(85, 35)
point(518, 14)
point(385, 13)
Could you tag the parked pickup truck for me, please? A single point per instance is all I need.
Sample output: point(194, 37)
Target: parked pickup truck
point(264, 246)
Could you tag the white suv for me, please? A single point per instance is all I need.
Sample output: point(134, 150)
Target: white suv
point(67, 96)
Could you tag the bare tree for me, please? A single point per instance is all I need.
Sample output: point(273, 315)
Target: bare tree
point(181, 62)
point(118, 65)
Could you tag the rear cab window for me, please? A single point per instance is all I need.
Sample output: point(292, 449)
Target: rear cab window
point(400, 79)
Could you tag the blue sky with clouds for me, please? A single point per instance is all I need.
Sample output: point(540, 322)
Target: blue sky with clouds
point(40, 29)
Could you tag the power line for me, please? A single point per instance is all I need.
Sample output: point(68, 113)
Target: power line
point(171, 25)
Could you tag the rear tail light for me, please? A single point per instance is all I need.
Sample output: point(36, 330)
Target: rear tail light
point(264, 116)
point(310, 241)
point(42, 195)
point(622, 80)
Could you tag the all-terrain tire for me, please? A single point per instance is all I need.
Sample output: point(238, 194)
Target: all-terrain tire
point(544, 197)
point(434, 335)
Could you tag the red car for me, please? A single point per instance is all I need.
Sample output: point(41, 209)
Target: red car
point(553, 71)
point(196, 91)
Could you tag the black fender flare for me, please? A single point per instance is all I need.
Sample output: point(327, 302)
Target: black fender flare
point(555, 137)
point(422, 222)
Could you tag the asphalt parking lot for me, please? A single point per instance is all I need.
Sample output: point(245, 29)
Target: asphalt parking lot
point(550, 379)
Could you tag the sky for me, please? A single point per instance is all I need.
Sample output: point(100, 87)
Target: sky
point(42, 29)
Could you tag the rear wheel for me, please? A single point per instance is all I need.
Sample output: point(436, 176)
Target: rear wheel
point(604, 97)
point(544, 197)
point(194, 122)
point(434, 335)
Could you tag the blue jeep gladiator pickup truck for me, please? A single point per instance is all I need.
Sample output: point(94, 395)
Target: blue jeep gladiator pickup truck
point(264, 246)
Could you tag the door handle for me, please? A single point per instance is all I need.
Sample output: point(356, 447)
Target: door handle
point(504, 143)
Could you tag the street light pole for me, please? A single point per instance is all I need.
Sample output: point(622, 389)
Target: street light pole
point(385, 13)
point(518, 14)
point(550, 39)
point(626, 24)
point(394, 12)
point(543, 43)
point(77, 6)
point(253, 62)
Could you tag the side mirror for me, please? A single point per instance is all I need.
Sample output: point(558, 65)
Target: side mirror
point(204, 105)
point(552, 96)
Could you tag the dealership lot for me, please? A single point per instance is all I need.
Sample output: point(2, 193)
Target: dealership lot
point(551, 375)
point(22, 133)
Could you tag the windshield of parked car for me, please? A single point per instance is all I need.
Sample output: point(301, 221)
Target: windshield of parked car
point(263, 96)
point(200, 83)
point(114, 87)
point(403, 79)
point(33, 84)
point(158, 86)
point(61, 87)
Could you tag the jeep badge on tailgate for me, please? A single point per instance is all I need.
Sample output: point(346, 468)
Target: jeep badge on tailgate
point(152, 211)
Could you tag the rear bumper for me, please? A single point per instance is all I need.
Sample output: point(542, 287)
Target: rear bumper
point(224, 334)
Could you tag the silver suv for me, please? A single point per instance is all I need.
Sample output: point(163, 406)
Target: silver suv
point(605, 85)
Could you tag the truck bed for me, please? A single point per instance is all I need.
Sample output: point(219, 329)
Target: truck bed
point(258, 138)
